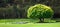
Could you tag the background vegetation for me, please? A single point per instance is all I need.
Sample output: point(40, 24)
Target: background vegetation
point(18, 8)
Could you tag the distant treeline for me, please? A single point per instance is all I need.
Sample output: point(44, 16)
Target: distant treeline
point(18, 8)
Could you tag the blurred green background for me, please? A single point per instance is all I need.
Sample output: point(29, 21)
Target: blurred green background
point(18, 8)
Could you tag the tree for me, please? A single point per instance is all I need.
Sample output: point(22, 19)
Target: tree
point(40, 11)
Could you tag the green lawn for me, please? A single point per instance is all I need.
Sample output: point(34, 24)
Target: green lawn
point(8, 23)
point(31, 25)
point(18, 20)
point(24, 20)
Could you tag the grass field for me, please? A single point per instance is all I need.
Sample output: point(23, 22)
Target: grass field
point(8, 23)
point(31, 25)
point(18, 20)
point(24, 20)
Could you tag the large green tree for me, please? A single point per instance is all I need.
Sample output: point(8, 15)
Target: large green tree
point(40, 11)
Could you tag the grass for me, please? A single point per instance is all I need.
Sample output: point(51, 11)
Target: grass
point(24, 20)
point(18, 20)
point(30, 24)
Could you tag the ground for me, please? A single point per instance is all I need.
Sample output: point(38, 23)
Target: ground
point(31, 25)
point(8, 23)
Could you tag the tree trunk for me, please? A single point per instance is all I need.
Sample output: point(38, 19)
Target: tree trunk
point(41, 20)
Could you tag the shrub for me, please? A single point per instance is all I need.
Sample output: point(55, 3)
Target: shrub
point(40, 11)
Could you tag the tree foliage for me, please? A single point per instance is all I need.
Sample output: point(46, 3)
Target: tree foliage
point(39, 11)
